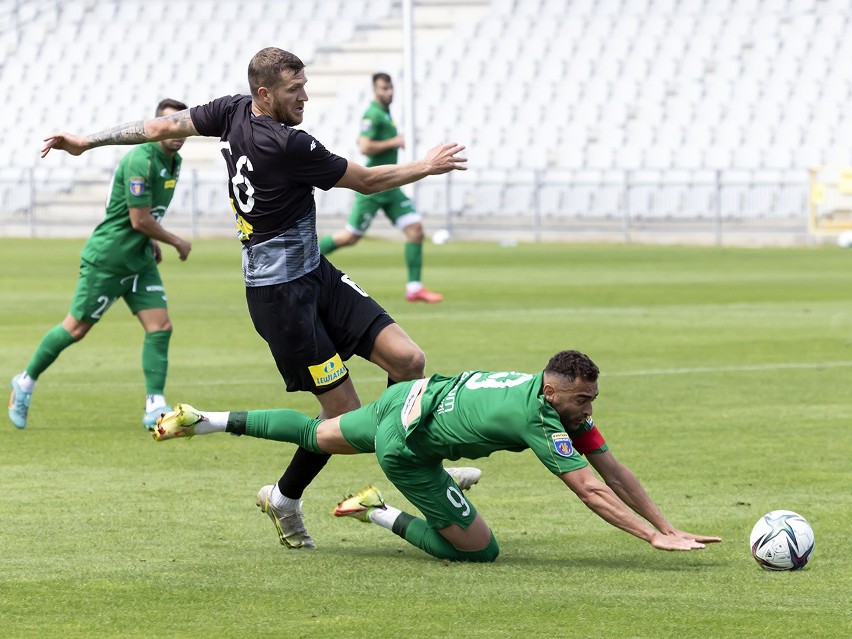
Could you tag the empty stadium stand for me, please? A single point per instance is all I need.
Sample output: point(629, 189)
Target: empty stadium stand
point(578, 114)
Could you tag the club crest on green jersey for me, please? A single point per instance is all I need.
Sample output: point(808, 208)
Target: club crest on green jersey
point(137, 186)
point(562, 444)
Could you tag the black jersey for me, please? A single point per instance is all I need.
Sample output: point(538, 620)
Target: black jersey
point(273, 169)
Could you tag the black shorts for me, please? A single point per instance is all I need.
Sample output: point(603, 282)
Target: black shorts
point(315, 323)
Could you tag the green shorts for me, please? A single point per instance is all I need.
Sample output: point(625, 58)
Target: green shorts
point(98, 289)
point(418, 475)
point(396, 205)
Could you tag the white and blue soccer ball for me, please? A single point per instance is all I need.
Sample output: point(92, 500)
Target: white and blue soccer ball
point(782, 540)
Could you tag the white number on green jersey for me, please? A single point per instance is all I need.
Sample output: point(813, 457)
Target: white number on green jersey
point(105, 304)
point(457, 499)
point(497, 380)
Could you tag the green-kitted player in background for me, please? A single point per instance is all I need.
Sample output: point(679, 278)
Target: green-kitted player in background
point(120, 260)
point(380, 142)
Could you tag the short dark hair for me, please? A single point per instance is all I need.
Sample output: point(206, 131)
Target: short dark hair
point(264, 69)
point(169, 103)
point(571, 365)
point(381, 76)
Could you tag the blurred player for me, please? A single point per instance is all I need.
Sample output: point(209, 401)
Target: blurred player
point(120, 260)
point(418, 424)
point(380, 143)
point(312, 316)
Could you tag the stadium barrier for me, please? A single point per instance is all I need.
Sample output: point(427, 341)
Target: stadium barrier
point(665, 206)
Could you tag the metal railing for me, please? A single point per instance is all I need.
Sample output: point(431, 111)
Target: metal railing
point(715, 206)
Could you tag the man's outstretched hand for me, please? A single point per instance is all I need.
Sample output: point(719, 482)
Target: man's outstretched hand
point(73, 144)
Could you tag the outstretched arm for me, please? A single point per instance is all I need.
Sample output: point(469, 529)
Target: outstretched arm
point(440, 159)
point(174, 125)
point(627, 486)
point(606, 505)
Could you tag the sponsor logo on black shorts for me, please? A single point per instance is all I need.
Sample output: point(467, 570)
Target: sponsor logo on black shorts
point(328, 372)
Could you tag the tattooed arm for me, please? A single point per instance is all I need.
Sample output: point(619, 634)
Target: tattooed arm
point(174, 125)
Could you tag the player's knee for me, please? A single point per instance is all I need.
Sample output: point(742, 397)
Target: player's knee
point(78, 330)
point(486, 555)
point(414, 233)
point(412, 364)
point(350, 239)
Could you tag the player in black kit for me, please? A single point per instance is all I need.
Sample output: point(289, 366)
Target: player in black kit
point(312, 316)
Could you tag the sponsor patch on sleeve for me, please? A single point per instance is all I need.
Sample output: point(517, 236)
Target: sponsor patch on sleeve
point(169, 184)
point(562, 444)
point(137, 186)
point(328, 372)
point(366, 125)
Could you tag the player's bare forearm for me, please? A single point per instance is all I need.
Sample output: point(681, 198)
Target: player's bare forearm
point(601, 499)
point(626, 485)
point(130, 133)
point(439, 160)
point(142, 222)
point(606, 505)
point(391, 176)
point(628, 488)
point(174, 125)
point(381, 178)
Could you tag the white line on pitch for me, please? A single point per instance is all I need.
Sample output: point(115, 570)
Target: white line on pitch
point(278, 387)
point(730, 369)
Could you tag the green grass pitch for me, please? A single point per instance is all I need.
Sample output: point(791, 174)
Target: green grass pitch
point(726, 388)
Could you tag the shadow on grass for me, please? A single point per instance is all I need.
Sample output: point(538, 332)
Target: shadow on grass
point(658, 561)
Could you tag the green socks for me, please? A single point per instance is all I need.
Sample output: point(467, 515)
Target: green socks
point(281, 425)
point(414, 260)
point(56, 340)
point(155, 361)
point(418, 533)
point(326, 245)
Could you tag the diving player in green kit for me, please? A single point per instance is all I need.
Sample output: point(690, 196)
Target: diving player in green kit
point(120, 260)
point(415, 425)
point(380, 142)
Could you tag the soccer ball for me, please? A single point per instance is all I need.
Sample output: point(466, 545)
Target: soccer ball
point(782, 540)
point(844, 240)
point(441, 236)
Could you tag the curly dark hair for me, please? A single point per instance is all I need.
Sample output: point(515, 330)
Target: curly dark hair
point(573, 364)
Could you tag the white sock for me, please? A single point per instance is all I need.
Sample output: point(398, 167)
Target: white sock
point(384, 517)
point(217, 419)
point(413, 287)
point(212, 423)
point(26, 383)
point(153, 402)
point(277, 499)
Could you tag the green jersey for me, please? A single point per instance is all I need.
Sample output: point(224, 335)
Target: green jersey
point(477, 413)
point(145, 177)
point(378, 125)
